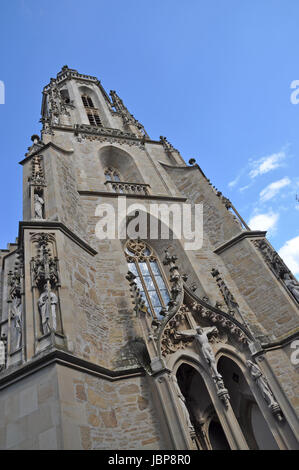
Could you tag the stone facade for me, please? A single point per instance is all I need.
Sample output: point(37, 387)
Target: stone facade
point(86, 364)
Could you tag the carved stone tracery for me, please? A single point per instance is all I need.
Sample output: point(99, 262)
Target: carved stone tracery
point(170, 340)
point(46, 282)
point(228, 297)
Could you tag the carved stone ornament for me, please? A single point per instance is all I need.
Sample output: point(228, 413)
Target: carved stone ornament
point(228, 297)
point(278, 267)
point(45, 278)
point(36, 145)
point(175, 278)
point(37, 177)
point(265, 390)
point(106, 134)
point(47, 304)
point(127, 117)
point(168, 147)
point(171, 341)
point(182, 404)
point(202, 337)
point(15, 293)
point(3, 343)
point(38, 207)
point(57, 106)
point(218, 318)
point(44, 266)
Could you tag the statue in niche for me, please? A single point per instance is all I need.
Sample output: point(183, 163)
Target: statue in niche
point(2, 354)
point(201, 336)
point(292, 285)
point(16, 315)
point(38, 206)
point(47, 304)
point(262, 384)
point(182, 403)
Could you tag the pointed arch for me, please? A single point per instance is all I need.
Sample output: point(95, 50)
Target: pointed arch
point(209, 432)
point(119, 159)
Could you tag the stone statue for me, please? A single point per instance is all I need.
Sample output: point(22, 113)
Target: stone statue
point(182, 403)
point(16, 315)
point(262, 384)
point(2, 354)
point(47, 303)
point(38, 206)
point(292, 285)
point(201, 336)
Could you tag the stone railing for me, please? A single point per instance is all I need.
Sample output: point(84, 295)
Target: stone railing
point(105, 131)
point(124, 187)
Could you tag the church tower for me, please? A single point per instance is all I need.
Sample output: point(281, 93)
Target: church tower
point(118, 329)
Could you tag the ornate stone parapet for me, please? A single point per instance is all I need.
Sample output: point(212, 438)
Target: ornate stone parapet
point(128, 188)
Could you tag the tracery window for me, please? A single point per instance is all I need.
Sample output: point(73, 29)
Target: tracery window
point(112, 174)
point(150, 279)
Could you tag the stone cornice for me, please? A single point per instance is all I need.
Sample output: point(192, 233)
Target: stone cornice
point(177, 167)
point(131, 196)
point(249, 234)
point(66, 359)
point(46, 146)
point(86, 129)
point(69, 74)
point(183, 167)
point(280, 342)
point(52, 225)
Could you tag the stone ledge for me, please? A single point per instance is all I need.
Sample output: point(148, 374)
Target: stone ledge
point(55, 225)
point(250, 234)
point(132, 196)
point(45, 146)
point(13, 375)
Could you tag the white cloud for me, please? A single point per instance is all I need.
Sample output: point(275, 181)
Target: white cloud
point(266, 164)
point(272, 189)
point(245, 187)
point(264, 221)
point(233, 183)
point(290, 254)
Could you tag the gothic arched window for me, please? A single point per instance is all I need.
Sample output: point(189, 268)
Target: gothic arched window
point(112, 174)
point(150, 279)
point(87, 101)
point(92, 112)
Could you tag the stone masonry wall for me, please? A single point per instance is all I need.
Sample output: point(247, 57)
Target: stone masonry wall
point(98, 414)
point(30, 413)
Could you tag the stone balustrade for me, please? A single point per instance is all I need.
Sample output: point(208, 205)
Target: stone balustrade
point(124, 187)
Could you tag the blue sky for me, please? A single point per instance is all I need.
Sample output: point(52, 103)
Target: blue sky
point(214, 77)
